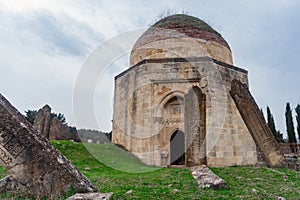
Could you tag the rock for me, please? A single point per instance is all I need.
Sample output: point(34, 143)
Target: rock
point(42, 121)
point(260, 179)
point(52, 128)
point(256, 124)
point(285, 177)
point(175, 191)
point(60, 131)
point(280, 198)
point(206, 178)
point(35, 167)
point(91, 196)
point(129, 192)
point(254, 190)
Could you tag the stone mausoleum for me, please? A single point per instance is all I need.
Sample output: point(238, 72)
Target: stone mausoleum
point(173, 105)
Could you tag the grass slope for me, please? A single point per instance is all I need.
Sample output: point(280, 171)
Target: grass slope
point(148, 182)
point(156, 184)
point(159, 183)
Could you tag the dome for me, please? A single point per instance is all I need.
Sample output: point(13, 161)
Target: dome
point(183, 36)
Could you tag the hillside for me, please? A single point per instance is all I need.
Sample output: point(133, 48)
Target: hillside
point(108, 173)
point(159, 183)
point(93, 136)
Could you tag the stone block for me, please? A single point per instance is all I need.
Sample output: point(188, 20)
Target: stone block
point(35, 167)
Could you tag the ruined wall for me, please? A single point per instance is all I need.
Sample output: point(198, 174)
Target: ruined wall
point(60, 131)
point(42, 121)
point(195, 127)
point(256, 124)
point(53, 128)
point(139, 122)
point(34, 166)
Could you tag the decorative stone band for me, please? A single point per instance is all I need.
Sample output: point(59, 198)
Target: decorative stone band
point(35, 166)
point(256, 124)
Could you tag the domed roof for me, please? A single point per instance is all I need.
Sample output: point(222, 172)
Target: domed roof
point(181, 26)
point(188, 25)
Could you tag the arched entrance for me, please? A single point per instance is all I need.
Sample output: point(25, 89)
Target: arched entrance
point(177, 148)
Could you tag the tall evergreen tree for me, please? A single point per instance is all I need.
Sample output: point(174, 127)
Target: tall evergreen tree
point(297, 109)
point(271, 123)
point(290, 124)
point(262, 112)
point(30, 115)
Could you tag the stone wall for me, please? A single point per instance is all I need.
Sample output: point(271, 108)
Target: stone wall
point(256, 124)
point(34, 166)
point(143, 91)
point(52, 128)
point(195, 126)
point(60, 131)
point(42, 121)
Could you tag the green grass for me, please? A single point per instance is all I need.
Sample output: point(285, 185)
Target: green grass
point(117, 171)
point(159, 183)
point(2, 172)
point(116, 158)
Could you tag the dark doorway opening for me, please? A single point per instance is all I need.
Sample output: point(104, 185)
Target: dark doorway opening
point(177, 148)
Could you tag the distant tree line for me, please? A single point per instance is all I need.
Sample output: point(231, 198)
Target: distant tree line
point(290, 128)
point(95, 135)
point(84, 134)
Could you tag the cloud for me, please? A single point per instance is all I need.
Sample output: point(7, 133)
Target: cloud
point(44, 44)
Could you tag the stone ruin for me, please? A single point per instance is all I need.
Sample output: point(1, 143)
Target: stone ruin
point(52, 128)
point(35, 167)
point(256, 124)
point(183, 102)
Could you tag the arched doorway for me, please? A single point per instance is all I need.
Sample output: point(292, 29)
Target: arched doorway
point(177, 148)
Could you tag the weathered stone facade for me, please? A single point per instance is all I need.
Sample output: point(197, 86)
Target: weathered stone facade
point(52, 128)
point(176, 95)
point(60, 131)
point(35, 167)
point(256, 124)
point(42, 121)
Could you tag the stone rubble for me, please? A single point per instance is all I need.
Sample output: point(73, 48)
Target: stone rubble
point(206, 178)
point(91, 196)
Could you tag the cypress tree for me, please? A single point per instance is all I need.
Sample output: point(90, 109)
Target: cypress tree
point(297, 109)
point(271, 124)
point(290, 124)
point(262, 112)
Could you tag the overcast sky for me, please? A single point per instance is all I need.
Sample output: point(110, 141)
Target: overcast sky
point(44, 45)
